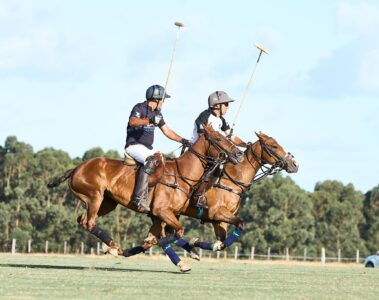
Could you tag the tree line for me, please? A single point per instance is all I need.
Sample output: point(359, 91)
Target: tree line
point(277, 213)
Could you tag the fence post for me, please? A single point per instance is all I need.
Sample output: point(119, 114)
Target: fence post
point(65, 247)
point(133, 245)
point(252, 253)
point(287, 254)
point(357, 260)
point(323, 256)
point(236, 252)
point(184, 253)
point(82, 248)
point(151, 251)
point(29, 246)
point(339, 255)
point(92, 251)
point(268, 253)
point(305, 254)
point(225, 254)
point(98, 248)
point(201, 252)
point(218, 255)
point(13, 249)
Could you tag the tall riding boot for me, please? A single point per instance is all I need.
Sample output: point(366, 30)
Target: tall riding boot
point(140, 197)
point(209, 180)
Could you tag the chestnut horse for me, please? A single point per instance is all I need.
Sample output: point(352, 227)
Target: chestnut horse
point(102, 183)
point(225, 196)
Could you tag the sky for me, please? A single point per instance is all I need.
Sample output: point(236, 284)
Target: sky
point(71, 71)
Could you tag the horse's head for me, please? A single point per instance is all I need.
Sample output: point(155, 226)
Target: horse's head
point(220, 146)
point(275, 155)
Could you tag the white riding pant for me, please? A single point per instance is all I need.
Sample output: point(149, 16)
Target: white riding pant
point(139, 152)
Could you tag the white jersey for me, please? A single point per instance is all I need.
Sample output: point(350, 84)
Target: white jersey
point(207, 117)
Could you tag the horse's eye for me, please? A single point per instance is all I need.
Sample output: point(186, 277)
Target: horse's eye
point(218, 139)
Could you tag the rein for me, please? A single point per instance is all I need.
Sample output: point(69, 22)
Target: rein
point(204, 159)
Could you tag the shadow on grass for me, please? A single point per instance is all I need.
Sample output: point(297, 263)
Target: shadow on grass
point(84, 268)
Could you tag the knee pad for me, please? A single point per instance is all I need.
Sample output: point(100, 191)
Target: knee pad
point(151, 164)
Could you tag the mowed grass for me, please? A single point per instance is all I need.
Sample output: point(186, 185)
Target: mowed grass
point(91, 277)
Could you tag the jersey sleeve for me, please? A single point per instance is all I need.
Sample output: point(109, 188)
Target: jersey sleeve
point(225, 125)
point(136, 112)
point(161, 122)
point(201, 119)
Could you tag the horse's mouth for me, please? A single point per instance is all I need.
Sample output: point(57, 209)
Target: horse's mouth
point(237, 158)
point(292, 166)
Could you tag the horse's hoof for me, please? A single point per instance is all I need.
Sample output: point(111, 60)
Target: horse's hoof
point(217, 246)
point(193, 242)
point(183, 267)
point(194, 255)
point(110, 250)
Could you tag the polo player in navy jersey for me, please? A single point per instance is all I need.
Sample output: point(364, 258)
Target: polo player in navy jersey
point(143, 119)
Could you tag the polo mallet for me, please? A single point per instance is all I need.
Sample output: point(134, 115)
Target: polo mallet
point(179, 25)
point(261, 49)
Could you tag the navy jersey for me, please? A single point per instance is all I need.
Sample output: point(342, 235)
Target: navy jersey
point(207, 117)
point(142, 134)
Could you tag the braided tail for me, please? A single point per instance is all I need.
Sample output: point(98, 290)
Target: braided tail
point(58, 180)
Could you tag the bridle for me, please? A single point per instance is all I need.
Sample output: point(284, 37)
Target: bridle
point(279, 165)
point(206, 160)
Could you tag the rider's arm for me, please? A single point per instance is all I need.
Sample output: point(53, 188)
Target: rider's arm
point(136, 122)
point(170, 133)
point(236, 140)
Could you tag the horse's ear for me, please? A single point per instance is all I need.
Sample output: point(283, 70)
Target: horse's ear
point(205, 127)
point(259, 135)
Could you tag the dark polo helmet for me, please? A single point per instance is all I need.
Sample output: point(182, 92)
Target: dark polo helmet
point(218, 97)
point(156, 92)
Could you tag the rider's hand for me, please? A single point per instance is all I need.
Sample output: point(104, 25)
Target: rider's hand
point(156, 119)
point(185, 142)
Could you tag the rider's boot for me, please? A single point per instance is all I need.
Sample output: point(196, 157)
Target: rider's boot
point(141, 195)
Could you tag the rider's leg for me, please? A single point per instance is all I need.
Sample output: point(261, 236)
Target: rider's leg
point(209, 180)
point(145, 156)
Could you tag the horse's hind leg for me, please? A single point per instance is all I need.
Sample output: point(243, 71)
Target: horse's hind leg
point(106, 207)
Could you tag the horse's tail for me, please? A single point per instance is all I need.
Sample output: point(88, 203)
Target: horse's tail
point(58, 180)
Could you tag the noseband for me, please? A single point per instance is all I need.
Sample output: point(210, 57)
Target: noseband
point(279, 165)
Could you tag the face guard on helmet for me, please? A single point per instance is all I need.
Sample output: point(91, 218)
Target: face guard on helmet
point(218, 97)
point(156, 92)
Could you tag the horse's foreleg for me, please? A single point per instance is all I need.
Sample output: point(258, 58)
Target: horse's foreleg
point(225, 216)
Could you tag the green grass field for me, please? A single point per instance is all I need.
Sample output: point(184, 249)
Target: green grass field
point(86, 277)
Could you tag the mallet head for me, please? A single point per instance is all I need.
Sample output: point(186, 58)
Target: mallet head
point(261, 48)
point(179, 24)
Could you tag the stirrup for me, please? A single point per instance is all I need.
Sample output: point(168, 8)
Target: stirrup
point(202, 202)
point(142, 206)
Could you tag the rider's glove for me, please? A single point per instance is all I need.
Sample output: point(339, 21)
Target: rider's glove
point(185, 142)
point(156, 119)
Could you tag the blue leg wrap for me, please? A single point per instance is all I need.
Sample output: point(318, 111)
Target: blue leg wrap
point(233, 237)
point(133, 251)
point(171, 254)
point(206, 246)
point(167, 240)
point(184, 244)
point(101, 234)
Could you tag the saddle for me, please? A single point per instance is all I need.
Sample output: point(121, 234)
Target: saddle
point(158, 172)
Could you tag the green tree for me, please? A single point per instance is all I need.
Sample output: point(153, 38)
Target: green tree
point(277, 214)
point(338, 213)
point(370, 228)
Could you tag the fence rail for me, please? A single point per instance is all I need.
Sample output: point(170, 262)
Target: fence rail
point(231, 253)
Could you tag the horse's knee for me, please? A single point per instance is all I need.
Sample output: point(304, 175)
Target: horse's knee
point(90, 225)
point(180, 232)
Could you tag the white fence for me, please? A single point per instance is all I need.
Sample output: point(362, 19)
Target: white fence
point(231, 253)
